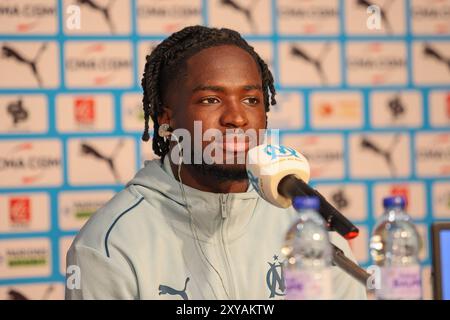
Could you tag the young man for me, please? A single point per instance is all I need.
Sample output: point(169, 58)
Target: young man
point(202, 233)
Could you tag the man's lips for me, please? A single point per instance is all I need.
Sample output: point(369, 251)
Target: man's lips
point(235, 146)
point(234, 143)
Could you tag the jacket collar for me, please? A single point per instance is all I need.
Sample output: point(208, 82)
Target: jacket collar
point(228, 213)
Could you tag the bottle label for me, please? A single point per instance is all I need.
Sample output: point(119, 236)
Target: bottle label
point(401, 283)
point(308, 285)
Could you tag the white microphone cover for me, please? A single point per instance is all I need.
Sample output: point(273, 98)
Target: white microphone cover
point(267, 164)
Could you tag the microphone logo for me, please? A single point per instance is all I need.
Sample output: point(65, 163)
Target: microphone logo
point(277, 151)
point(266, 166)
point(253, 180)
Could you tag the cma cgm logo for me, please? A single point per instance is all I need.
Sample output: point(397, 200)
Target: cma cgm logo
point(28, 163)
point(280, 151)
point(162, 10)
point(20, 162)
point(103, 62)
point(37, 13)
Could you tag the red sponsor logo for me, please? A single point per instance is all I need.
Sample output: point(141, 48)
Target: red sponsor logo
point(443, 138)
point(26, 27)
point(441, 28)
point(401, 190)
point(84, 110)
point(375, 47)
point(172, 27)
point(94, 48)
point(448, 106)
point(310, 28)
point(20, 210)
point(326, 110)
point(102, 80)
point(311, 140)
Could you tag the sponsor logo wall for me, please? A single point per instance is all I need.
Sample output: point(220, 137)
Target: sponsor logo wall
point(369, 108)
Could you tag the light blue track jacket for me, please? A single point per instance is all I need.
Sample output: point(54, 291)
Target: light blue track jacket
point(142, 245)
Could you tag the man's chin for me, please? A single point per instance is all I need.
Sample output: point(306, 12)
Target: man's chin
point(224, 172)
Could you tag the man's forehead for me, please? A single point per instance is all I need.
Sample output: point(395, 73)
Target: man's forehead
point(222, 68)
point(221, 58)
point(223, 50)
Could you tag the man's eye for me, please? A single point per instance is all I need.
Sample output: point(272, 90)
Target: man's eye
point(209, 100)
point(251, 100)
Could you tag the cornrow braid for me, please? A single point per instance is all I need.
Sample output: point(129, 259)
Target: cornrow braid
point(167, 59)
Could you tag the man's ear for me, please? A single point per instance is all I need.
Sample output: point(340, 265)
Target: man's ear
point(165, 116)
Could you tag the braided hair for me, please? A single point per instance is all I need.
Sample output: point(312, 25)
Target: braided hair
point(168, 60)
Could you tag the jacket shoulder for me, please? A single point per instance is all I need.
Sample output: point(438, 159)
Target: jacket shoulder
point(95, 233)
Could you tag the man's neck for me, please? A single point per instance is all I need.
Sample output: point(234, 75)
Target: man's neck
point(197, 180)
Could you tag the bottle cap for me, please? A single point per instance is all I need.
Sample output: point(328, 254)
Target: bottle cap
point(397, 201)
point(303, 203)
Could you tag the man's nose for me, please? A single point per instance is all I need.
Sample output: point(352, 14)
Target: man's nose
point(234, 115)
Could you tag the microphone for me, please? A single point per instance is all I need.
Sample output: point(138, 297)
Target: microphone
point(290, 186)
point(279, 174)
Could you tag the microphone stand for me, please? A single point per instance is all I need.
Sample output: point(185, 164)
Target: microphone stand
point(351, 268)
point(291, 187)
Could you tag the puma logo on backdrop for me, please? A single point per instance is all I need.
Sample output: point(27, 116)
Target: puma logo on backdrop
point(12, 53)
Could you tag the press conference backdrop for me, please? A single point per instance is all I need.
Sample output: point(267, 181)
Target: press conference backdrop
point(369, 108)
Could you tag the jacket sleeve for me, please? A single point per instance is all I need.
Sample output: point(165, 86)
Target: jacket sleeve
point(91, 275)
point(345, 286)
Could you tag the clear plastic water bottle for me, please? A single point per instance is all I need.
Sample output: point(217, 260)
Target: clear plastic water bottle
point(307, 252)
point(394, 247)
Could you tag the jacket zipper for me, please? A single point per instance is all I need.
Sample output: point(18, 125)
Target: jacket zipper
point(224, 212)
